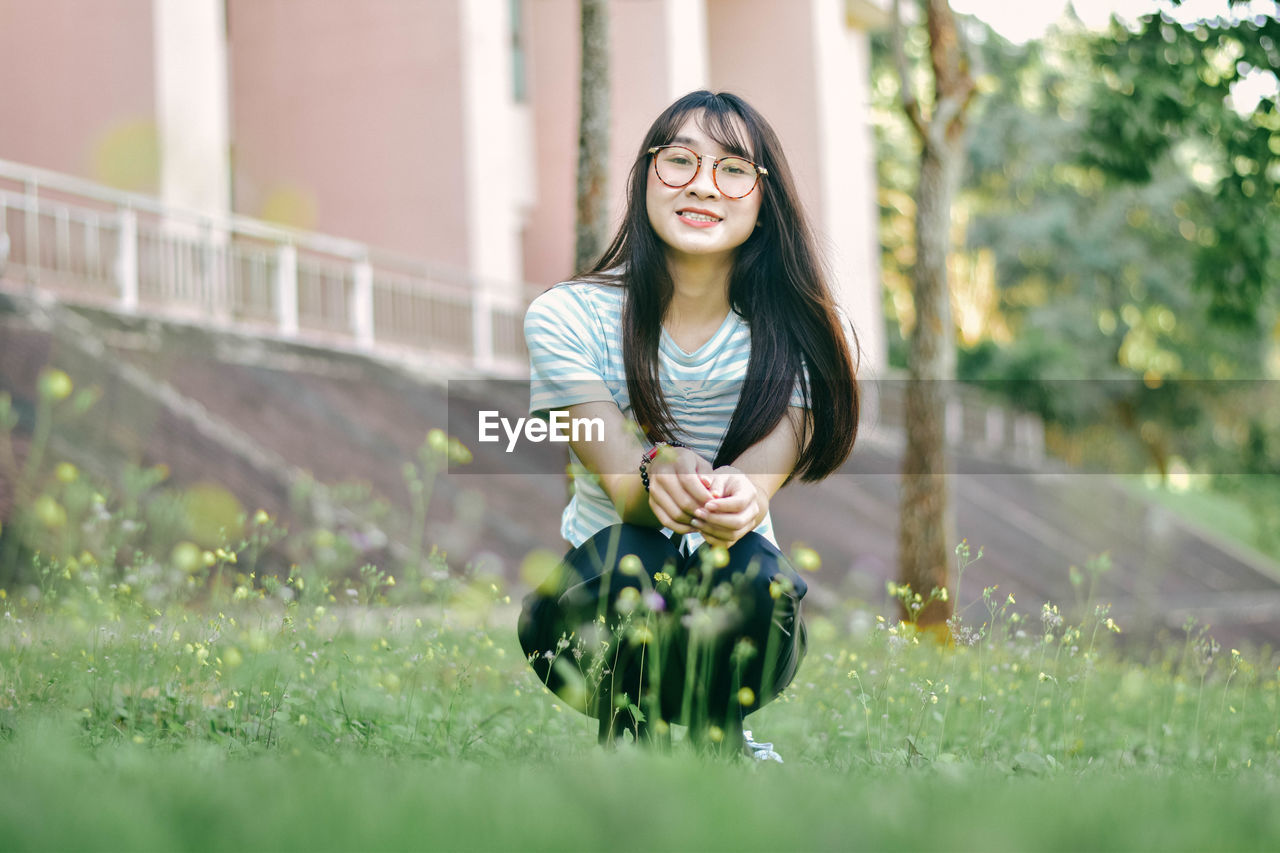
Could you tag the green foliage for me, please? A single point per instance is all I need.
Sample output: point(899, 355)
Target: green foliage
point(1165, 92)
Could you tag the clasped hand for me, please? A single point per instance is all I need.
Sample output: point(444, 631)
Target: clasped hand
point(688, 496)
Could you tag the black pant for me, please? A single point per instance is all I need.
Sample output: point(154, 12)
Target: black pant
point(680, 650)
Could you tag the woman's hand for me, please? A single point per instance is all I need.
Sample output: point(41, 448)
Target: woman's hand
point(737, 507)
point(678, 487)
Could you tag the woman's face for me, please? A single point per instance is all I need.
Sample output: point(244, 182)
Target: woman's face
point(697, 220)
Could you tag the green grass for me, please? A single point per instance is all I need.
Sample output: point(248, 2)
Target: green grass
point(158, 692)
point(383, 727)
point(1229, 516)
point(59, 797)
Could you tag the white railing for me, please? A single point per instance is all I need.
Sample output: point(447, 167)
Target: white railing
point(88, 244)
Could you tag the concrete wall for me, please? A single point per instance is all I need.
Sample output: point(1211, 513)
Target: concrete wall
point(646, 75)
point(347, 118)
point(77, 89)
point(807, 72)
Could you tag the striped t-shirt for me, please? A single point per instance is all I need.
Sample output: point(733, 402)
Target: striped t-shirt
point(574, 336)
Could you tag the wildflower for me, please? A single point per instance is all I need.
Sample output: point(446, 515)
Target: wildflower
point(720, 557)
point(1011, 601)
point(50, 512)
point(458, 452)
point(630, 565)
point(892, 588)
point(55, 384)
point(806, 559)
point(942, 594)
point(628, 598)
point(1112, 626)
point(66, 473)
point(186, 557)
point(662, 577)
point(438, 441)
point(260, 517)
point(746, 697)
point(715, 734)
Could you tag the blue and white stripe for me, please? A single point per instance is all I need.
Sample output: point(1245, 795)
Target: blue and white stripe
point(574, 336)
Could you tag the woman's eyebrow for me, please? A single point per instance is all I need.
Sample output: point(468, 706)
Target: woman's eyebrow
point(732, 150)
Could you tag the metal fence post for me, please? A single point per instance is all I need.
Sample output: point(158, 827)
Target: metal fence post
point(482, 326)
point(287, 289)
point(32, 228)
point(362, 304)
point(127, 261)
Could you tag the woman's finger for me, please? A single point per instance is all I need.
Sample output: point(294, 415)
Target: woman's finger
point(668, 509)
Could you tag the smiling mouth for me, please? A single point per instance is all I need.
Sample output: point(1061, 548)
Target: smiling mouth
point(697, 217)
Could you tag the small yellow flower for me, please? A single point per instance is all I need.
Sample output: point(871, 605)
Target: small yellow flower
point(715, 734)
point(231, 704)
point(260, 517)
point(438, 441)
point(50, 512)
point(66, 473)
point(746, 697)
point(55, 384)
point(806, 559)
point(302, 720)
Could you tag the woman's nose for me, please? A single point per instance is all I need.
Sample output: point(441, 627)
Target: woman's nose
point(704, 183)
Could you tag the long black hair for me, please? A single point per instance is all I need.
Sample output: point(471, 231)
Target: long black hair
point(777, 285)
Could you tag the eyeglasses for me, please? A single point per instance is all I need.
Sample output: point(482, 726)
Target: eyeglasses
point(677, 166)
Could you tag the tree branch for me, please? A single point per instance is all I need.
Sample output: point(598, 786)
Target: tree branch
point(910, 104)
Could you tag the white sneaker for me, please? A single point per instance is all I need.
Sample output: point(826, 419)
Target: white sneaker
point(760, 751)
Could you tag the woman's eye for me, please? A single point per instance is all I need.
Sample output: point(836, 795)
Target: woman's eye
point(736, 168)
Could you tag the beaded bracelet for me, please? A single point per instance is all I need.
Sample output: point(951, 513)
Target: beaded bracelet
point(649, 456)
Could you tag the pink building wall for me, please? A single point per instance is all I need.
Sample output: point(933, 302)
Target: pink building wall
point(638, 91)
point(78, 90)
point(347, 118)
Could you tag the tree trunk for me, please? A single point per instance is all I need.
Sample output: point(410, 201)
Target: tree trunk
point(926, 525)
point(593, 136)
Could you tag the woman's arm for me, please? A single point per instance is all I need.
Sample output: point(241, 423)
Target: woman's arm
point(677, 476)
point(742, 490)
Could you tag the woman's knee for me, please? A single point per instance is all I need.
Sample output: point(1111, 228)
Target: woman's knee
point(604, 551)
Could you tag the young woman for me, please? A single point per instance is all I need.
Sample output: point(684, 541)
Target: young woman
point(707, 342)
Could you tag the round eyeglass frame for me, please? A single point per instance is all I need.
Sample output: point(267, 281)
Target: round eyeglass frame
point(761, 171)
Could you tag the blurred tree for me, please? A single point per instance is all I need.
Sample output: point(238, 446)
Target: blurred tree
point(1175, 90)
point(926, 527)
point(593, 136)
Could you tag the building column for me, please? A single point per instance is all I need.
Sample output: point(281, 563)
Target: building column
point(845, 138)
point(497, 149)
point(190, 45)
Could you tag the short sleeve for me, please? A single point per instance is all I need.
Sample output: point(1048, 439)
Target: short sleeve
point(566, 352)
